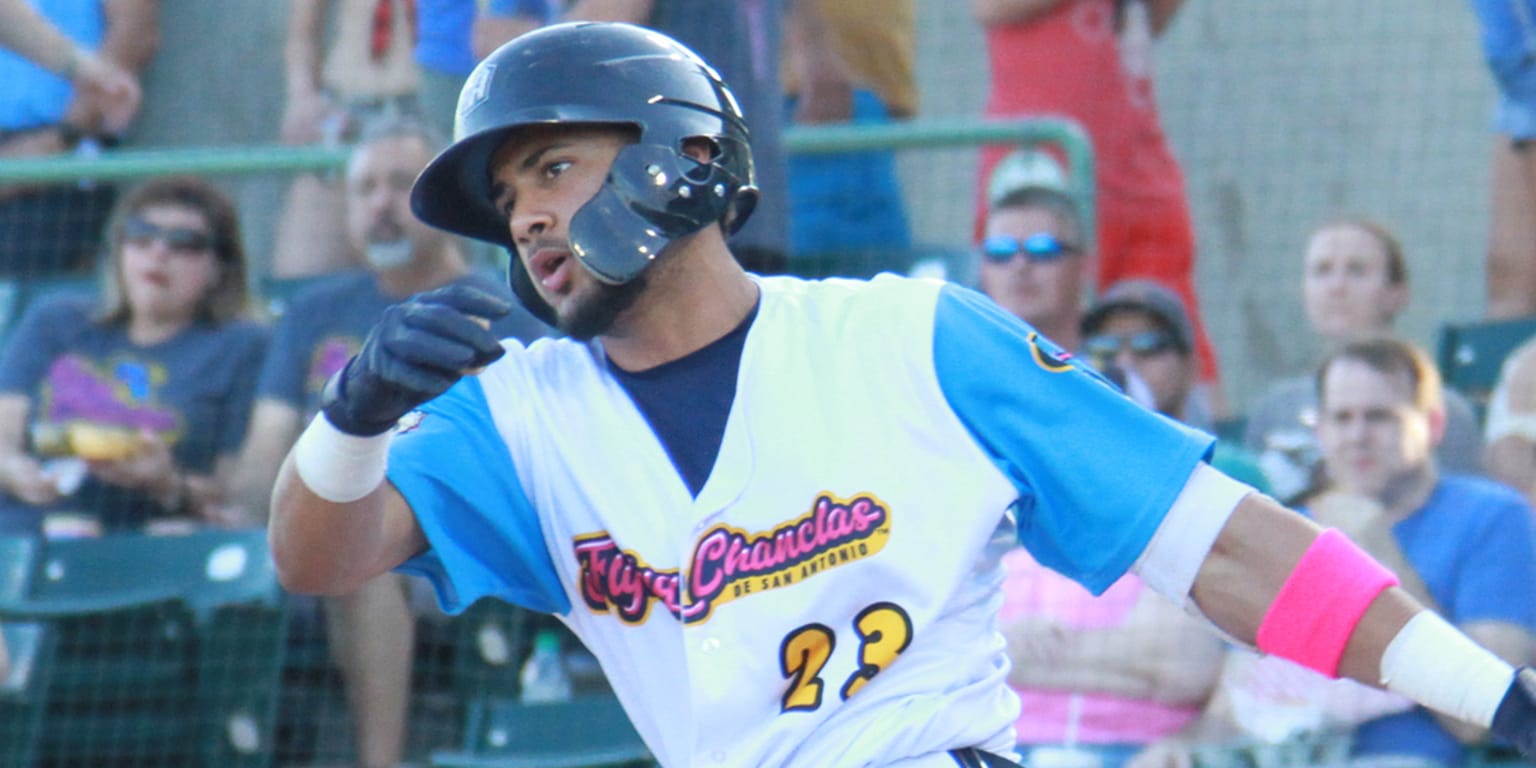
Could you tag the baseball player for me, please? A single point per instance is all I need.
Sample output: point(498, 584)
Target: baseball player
point(774, 509)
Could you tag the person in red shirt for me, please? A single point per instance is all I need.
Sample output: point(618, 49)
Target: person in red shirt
point(1090, 61)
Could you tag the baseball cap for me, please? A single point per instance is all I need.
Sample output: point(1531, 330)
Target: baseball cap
point(1148, 296)
point(1026, 169)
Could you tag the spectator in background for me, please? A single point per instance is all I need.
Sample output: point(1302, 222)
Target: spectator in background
point(57, 229)
point(742, 40)
point(1462, 545)
point(1091, 61)
point(1508, 35)
point(372, 631)
point(1141, 328)
point(1034, 259)
point(33, 37)
point(131, 409)
point(848, 61)
point(1510, 430)
point(1354, 285)
point(364, 71)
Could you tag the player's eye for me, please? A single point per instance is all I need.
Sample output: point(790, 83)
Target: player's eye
point(556, 168)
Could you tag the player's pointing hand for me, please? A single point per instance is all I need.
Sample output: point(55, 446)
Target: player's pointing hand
point(418, 349)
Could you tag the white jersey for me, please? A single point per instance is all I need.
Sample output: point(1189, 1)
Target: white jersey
point(829, 598)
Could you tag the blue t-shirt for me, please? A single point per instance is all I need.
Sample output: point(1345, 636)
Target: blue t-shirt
point(325, 325)
point(1472, 544)
point(32, 96)
point(195, 389)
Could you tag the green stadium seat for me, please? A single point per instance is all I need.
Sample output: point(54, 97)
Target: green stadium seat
point(588, 731)
point(29, 648)
point(1470, 355)
point(491, 639)
point(167, 649)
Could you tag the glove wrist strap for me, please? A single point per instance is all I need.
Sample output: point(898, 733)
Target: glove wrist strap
point(337, 466)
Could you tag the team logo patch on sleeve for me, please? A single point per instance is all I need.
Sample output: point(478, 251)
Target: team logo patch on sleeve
point(729, 563)
point(1049, 356)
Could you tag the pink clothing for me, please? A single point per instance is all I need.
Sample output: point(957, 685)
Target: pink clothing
point(1070, 62)
point(1055, 717)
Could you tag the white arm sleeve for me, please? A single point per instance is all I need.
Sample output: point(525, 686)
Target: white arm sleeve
point(1172, 559)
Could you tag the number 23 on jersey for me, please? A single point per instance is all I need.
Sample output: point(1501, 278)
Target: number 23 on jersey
point(883, 631)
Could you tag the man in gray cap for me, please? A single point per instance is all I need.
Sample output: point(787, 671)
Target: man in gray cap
point(1140, 329)
point(1035, 261)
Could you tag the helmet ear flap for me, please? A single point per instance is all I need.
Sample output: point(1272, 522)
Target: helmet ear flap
point(741, 208)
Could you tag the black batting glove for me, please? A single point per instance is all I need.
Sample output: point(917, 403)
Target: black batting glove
point(1515, 719)
point(418, 349)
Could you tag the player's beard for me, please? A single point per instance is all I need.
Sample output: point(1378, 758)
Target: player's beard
point(593, 314)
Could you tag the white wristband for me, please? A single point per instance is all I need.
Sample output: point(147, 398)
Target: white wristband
point(1436, 665)
point(337, 466)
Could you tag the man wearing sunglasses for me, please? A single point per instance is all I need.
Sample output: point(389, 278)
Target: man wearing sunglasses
point(1033, 263)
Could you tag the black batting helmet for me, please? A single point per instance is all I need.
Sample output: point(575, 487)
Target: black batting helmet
point(598, 73)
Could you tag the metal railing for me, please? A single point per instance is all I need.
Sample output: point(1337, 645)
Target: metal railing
point(272, 158)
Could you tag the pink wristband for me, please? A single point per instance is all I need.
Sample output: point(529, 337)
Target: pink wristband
point(1320, 603)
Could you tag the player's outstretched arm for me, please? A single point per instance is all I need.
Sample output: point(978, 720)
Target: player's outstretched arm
point(336, 523)
point(1275, 580)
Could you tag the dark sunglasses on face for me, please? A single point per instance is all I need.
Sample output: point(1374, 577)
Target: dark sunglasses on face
point(180, 240)
point(1145, 344)
point(1041, 246)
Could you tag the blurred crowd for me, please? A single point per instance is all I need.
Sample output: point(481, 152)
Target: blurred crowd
point(164, 399)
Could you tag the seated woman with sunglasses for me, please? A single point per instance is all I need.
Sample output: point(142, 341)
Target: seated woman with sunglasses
point(128, 410)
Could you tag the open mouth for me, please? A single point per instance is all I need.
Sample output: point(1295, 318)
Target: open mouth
point(552, 268)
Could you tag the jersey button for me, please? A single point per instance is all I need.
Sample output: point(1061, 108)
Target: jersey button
point(710, 645)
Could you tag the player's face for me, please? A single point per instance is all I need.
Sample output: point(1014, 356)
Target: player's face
point(1372, 436)
point(1041, 292)
point(542, 176)
point(1166, 370)
point(168, 262)
point(380, 225)
point(1345, 285)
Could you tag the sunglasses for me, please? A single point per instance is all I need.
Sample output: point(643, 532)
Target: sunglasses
point(1041, 246)
point(180, 240)
point(1145, 344)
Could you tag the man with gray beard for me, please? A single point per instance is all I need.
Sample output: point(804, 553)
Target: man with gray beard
point(371, 631)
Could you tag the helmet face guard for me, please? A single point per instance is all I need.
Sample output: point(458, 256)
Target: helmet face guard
point(652, 196)
point(597, 74)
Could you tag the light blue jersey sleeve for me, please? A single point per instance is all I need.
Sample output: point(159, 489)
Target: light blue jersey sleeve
point(454, 469)
point(1095, 471)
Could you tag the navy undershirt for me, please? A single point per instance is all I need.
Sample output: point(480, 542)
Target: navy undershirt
point(686, 401)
